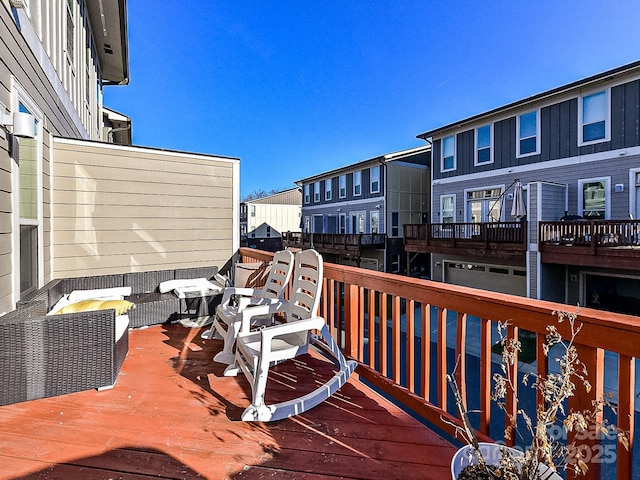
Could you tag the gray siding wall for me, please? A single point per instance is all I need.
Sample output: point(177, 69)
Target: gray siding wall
point(616, 168)
point(335, 188)
point(558, 134)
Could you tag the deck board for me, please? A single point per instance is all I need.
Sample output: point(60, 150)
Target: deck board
point(173, 415)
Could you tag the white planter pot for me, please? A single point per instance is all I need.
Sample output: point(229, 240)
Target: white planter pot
point(491, 453)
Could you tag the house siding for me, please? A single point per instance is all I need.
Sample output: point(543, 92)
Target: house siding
point(122, 209)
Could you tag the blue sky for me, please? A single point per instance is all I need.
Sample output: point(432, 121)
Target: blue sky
point(298, 87)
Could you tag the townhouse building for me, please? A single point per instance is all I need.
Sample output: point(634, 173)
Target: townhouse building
point(354, 215)
point(262, 220)
point(76, 198)
point(572, 155)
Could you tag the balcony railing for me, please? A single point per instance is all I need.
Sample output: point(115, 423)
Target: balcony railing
point(339, 243)
point(408, 333)
point(493, 239)
point(606, 243)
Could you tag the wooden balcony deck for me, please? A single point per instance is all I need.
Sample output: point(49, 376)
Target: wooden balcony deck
point(335, 243)
point(601, 243)
point(172, 415)
point(500, 240)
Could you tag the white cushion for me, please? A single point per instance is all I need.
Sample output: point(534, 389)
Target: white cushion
point(122, 321)
point(122, 325)
point(116, 293)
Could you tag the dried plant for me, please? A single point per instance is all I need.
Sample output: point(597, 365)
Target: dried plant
point(555, 389)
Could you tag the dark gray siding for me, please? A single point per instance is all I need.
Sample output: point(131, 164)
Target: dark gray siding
point(559, 130)
point(625, 115)
point(558, 134)
point(335, 188)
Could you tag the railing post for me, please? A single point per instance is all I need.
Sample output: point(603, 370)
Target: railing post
point(351, 316)
point(583, 398)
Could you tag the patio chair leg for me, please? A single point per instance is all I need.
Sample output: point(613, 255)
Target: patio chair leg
point(213, 332)
point(226, 355)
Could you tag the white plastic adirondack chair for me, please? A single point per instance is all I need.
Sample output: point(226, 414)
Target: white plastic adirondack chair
point(257, 350)
point(227, 321)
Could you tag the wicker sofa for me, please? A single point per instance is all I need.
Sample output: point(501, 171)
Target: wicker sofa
point(44, 356)
point(47, 355)
point(152, 307)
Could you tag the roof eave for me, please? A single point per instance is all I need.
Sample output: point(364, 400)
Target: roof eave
point(109, 24)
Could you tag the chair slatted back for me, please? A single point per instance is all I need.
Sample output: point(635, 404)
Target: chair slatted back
point(279, 275)
point(307, 286)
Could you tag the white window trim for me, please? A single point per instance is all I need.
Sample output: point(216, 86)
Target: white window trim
point(316, 192)
point(307, 194)
point(442, 197)
point(607, 195)
point(455, 154)
point(340, 179)
point(327, 189)
point(19, 96)
point(475, 144)
point(371, 179)
point(537, 150)
point(607, 120)
point(357, 184)
point(476, 189)
point(374, 213)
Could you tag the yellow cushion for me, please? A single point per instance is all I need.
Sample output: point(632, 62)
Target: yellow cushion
point(120, 306)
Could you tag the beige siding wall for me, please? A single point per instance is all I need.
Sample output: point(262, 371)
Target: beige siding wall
point(120, 209)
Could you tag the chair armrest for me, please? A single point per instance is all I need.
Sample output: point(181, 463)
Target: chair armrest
point(230, 291)
point(250, 302)
point(258, 311)
point(269, 333)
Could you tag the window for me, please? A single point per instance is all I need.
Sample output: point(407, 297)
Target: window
point(484, 205)
point(307, 196)
point(327, 189)
point(594, 114)
point(527, 134)
point(448, 154)
point(357, 183)
point(343, 186)
point(343, 223)
point(316, 192)
point(395, 263)
point(395, 224)
point(375, 221)
point(318, 224)
point(448, 208)
point(593, 198)
point(29, 169)
point(253, 210)
point(307, 224)
point(375, 179)
point(483, 145)
point(268, 231)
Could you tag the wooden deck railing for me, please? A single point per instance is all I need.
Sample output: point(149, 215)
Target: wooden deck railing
point(601, 233)
point(334, 241)
point(490, 232)
point(408, 333)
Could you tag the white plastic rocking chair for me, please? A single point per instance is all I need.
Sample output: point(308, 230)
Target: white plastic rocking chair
point(227, 321)
point(257, 350)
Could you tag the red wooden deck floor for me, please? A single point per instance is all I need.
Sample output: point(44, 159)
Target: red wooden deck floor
point(173, 415)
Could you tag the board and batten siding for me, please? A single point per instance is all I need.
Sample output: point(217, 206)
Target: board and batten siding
point(121, 209)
